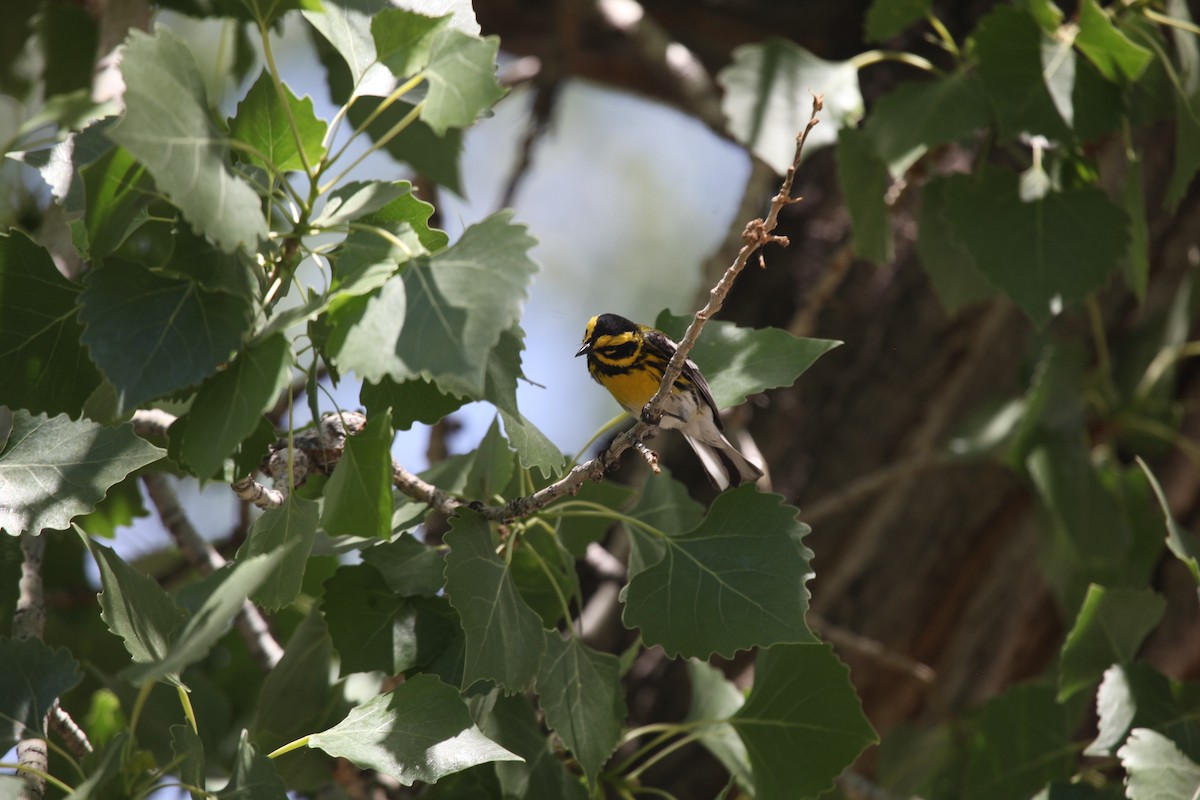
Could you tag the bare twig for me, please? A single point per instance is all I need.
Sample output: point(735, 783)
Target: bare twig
point(852, 642)
point(252, 491)
point(864, 486)
point(204, 557)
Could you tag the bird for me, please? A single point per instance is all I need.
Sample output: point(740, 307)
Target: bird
point(628, 360)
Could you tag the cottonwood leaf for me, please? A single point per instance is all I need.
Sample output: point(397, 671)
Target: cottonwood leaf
point(346, 24)
point(1118, 58)
point(715, 698)
point(665, 505)
point(290, 529)
point(1018, 743)
point(1180, 541)
point(735, 582)
point(768, 99)
point(1069, 243)
point(358, 497)
point(151, 334)
point(419, 731)
point(864, 179)
point(166, 126)
point(1156, 769)
point(544, 572)
point(409, 566)
point(441, 321)
point(462, 80)
point(359, 199)
point(230, 404)
point(504, 641)
point(117, 190)
point(534, 449)
point(35, 675)
point(53, 469)
point(43, 365)
point(253, 776)
point(1139, 696)
point(404, 39)
point(886, 18)
point(802, 723)
point(514, 725)
point(580, 691)
point(1111, 625)
point(739, 362)
point(1009, 44)
point(188, 750)
point(265, 124)
point(950, 267)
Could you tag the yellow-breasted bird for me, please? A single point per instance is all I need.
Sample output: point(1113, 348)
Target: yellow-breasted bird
point(628, 359)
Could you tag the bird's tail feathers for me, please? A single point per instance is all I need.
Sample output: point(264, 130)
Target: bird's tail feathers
point(723, 463)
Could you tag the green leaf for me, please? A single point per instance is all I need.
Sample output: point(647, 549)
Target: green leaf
point(43, 366)
point(1187, 148)
point(1109, 630)
point(1009, 47)
point(665, 505)
point(152, 335)
point(264, 123)
point(373, 628)
point(739, 362)
point(864, 180)
point(178, 142)
point(1070, 241)
point(576, 533)
point(492, 467)
point(714, 698)
point(428, 153)
point(289, 529)
point(420, 731)
point(108, 778)
point(346, 24)
point(802, 703)
point(35, 675)
point(504, 640)
point(1114, 54)
point(135, 607)
point(735, 582)
point(253, 776)
point(199, 260)
point(462, 80)
point(534, 449)
point(189, 752)
point(404, 39)
point(513, 724)
point(358, 497)
point(54, 469)
point(411, 401)
point(119, 508)
point(229, 405)
point(1182, 542)
point(266, 12)
point(768, 99)
point(542, 570)
point(225, 591)
point(886, 18)
point(408, 566)
point(918, 115)
point(951, 269)
point(117, 190)
point(359, 199)
point(1137, 258)
point(1139, 696)
point(1156, 769)
point(580, 691)
point(1019, 743)
point(446, 315)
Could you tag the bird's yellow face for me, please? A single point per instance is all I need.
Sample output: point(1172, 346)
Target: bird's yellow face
point(614, 345)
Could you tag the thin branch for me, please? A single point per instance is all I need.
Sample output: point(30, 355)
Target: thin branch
point(877, 651)
point(205, 558)
point(76, 739)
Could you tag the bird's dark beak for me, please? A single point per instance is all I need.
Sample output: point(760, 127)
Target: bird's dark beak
point(586, 347)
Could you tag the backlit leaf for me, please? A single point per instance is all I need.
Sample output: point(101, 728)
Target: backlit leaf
point(1110, 627)
point(290, 529)
point(264, 124)
point(1156, 769)
point(358, 497)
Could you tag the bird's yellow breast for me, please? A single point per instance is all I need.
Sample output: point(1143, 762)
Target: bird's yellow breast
point(632, 389)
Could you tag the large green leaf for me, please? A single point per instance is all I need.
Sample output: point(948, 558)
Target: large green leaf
point(1070, 243)
point(1118, 59)
point(715, 698)
point(918, 115)
point(358, 497)
point(1156, 769)
point(346, 24)
point(254, 776)
point(264, 124)
point(404, 39)
point(167, 127)
point(514, 725)
point(504, 641)
point(768, 98)
point(886, 18)
point(802, 723)
point(864, 179)
point(117, 190)
point(534, 449)
point(1009, 46)
point(135, 607)
point(446, 315)
point(151, 334)
point(290, 529)
point(420, 731)
point(1139, 696)
point(735, 582)
point(462, 80)
point(1109, 629)
point(580, 691)
point(54, 469)
point(35, 675)
point(223, 594)
point(375, 629)
point(43, 366)
point(544, 573)
point(951, 269)
point(408, 566)
point(739, 362)
point(1019, 742)
point(229, 405)
point(665, 505)
point(188, 750)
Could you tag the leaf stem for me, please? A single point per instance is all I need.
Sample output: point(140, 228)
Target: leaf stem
point(1096, 320)
point(562, 599)
point(593, 510)
point(188, 712)
point(1161, 363)
point(682, 741)
point(289, 747)
point(879, 56)
point(1172, 22)
point(269, 57)
point(46, 776)
point(382, 141)
point(944, 35)
point(139, 703)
